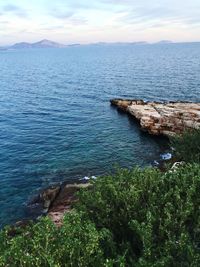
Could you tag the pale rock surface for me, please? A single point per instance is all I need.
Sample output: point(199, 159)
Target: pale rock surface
point(162, 118)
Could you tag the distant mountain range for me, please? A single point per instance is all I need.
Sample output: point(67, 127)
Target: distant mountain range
point(41, 44)
point(120, 43)
point(50, 44)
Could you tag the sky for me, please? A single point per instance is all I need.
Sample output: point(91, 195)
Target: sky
point(89, 21)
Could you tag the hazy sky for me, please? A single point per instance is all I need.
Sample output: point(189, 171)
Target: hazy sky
point(84, 21)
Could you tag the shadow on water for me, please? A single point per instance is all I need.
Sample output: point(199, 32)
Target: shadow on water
point(162, 141)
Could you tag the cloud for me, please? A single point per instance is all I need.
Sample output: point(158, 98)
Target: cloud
point(78, 21)
point(68, 16)
point(160, 15)
point(9, 7)
point(4, 22)
point(143, 14)
point(15, 10)
point(52, 28)
point(61, 14)
point(78, 4)
point(100, 20)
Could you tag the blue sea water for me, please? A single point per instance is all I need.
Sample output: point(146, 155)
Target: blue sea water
point(56, 122)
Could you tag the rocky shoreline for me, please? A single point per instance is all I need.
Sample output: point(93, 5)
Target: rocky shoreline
point(55, 200)
point(158, 118)
point(162, 118)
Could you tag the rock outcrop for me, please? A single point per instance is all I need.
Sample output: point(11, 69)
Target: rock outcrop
point(159, 118)
point(56, 200)
point(64, 201)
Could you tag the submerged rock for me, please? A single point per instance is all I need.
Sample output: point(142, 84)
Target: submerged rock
point(160, 118)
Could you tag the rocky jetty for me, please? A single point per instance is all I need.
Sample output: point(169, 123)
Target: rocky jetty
point(162, 118)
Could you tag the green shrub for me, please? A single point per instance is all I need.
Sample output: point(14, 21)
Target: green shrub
point(133, 218)
point(77, 243)
point(154, 217)
point(187, 146)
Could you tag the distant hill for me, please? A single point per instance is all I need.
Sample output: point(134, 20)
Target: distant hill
point(165, 42)
point(3, 48)
point(140, 43)
point(119, 43)
point(70, 45)
point(47, 44)
point(41, 44)
point(21, 45)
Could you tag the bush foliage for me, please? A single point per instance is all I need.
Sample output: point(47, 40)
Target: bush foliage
point(187, 146)
point(133, 218)
point(76, 243)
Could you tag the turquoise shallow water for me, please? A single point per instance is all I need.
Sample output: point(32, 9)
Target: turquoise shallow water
point(56, 122)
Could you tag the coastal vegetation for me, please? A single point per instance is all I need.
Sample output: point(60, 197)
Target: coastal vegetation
point(138, 217)
point(187, 146)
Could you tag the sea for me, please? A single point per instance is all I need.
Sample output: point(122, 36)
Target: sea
point(56, 122)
